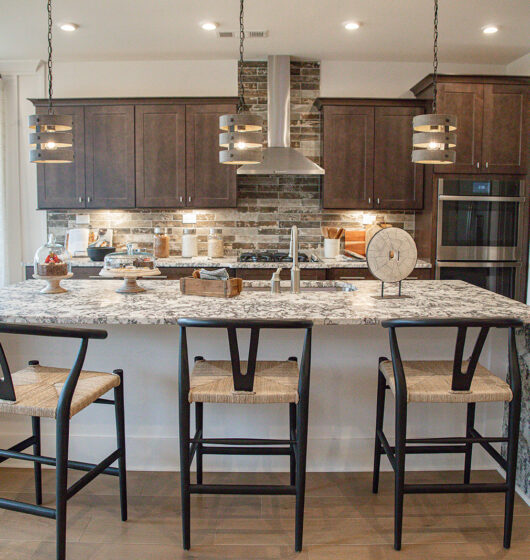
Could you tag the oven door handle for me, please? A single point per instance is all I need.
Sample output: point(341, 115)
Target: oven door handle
point(483, 198)
point(478, 264)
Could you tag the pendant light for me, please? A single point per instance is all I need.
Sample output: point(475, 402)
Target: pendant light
point(241, 134)
point(433, 138)
point(50, 141)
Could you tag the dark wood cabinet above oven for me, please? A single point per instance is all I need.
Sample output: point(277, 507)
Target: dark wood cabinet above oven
point(491, 116)
point(366, 153)
point(140, 153)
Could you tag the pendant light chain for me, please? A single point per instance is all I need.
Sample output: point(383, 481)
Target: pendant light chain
point(241, 106)
point(435, 57)
point(50, 51)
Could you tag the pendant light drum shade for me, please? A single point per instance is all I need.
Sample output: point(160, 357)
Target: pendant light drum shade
point(434, 123)
point(242, 130)
point(50, 137)
point(434, 157)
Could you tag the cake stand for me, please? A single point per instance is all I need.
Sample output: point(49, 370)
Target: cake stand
point(130, 277)
point(53, 285)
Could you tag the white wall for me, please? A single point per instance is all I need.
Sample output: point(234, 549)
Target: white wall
point(344, 78)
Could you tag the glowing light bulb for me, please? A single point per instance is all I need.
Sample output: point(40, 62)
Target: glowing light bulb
point(241, 145)
point(432, 146)
point(50, 146)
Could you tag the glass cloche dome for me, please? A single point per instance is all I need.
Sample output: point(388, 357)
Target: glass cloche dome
point(52, 259)
point(130, 260)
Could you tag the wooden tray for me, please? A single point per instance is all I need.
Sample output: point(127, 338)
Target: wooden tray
point(211, 288)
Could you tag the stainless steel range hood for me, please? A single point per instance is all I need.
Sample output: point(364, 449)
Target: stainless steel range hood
point(279, 158)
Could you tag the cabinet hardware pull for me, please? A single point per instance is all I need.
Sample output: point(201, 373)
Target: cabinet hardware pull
point(180, 199)
point(89, 199)
point(369, 200)
point(189, 198)
point(411, 278)
point(487, 165)
point(352, 278)
point(377, 201)
point(478, 164)
point(80, 199)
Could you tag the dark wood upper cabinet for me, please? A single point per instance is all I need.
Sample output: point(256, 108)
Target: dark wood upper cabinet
point(209, 184)
point(348, 156)
point(109, 156)
point(160, 156)
point(62, 185)
point(367, 146)
point(504, 134)
point(466, 101)
point(398, 183)
point(491, 121)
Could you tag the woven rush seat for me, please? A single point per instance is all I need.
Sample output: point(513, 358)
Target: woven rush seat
point(37, 390)
point(274, 382)
point(430, 381)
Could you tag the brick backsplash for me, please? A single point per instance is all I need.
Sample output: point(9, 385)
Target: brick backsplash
point(267, 206)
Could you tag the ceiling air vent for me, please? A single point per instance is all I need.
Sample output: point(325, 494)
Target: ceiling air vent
point(248, 34)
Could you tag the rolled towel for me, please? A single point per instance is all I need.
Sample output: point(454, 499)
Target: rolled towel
point(219, 274)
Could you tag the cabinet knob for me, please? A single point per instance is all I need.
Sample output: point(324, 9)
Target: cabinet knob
point(486, 165)
point(80, 199)
point(369, 200)
point(189, 198)
point(377, 201)
point(180, 199)
point(89, 199)
point(478, 164)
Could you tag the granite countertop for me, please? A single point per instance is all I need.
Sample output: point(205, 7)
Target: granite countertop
point(232, 262)
point(96, 302)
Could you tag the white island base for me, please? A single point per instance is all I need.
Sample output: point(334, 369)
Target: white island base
point(342, 403)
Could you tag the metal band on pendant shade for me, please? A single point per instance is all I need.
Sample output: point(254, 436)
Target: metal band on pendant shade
point(60, 155)
point(434, 123)
point(436, 157)
point(241, 122)
point(434, 140)
point(55, 139)
point(243, 140)
point(234, 156)
point(50, 123)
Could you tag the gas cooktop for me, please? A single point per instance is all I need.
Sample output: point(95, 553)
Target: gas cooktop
point(270, 256)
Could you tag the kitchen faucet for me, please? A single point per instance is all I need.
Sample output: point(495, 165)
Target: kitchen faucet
point(295, 269)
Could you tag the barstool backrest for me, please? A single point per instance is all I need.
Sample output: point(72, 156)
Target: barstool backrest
point(461, 380)
point(7, 391)
point(244, 381)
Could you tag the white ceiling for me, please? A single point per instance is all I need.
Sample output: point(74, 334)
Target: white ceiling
point(392, 30)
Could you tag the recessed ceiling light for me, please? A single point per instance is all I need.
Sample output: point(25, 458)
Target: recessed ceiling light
point(69, 26)
point(351, 25)
point(209, 25)
point(490, 29)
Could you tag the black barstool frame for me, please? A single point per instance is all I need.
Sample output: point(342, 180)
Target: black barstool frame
point(461, 382)
point(295, 446)
point(61, 462)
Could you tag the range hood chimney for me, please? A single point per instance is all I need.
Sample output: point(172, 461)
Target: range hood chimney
point(279, 158)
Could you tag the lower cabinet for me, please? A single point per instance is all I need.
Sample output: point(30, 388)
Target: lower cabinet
point(285, 274)
point(364, 274)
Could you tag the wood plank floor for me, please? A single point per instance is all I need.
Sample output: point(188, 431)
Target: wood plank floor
point(344, 521)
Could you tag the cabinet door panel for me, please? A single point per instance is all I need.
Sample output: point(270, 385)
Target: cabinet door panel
point(109, 133)
point(504, 138)
point(160, 156)
point(466, 102)
point(398, 183)
point(209, 184)
point(348, 157)
point(62, 185)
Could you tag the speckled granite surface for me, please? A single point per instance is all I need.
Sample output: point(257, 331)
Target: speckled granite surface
point(232, 262)
point(96, 302)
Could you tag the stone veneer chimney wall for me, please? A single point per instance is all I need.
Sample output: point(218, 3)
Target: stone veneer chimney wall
point(267, 206)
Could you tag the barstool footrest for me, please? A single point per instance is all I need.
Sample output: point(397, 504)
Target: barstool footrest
point(24, 507)
point(235, 450)
point(478, 487)
point(249, 489)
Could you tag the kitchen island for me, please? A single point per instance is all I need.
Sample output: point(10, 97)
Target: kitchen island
point(347, 341)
